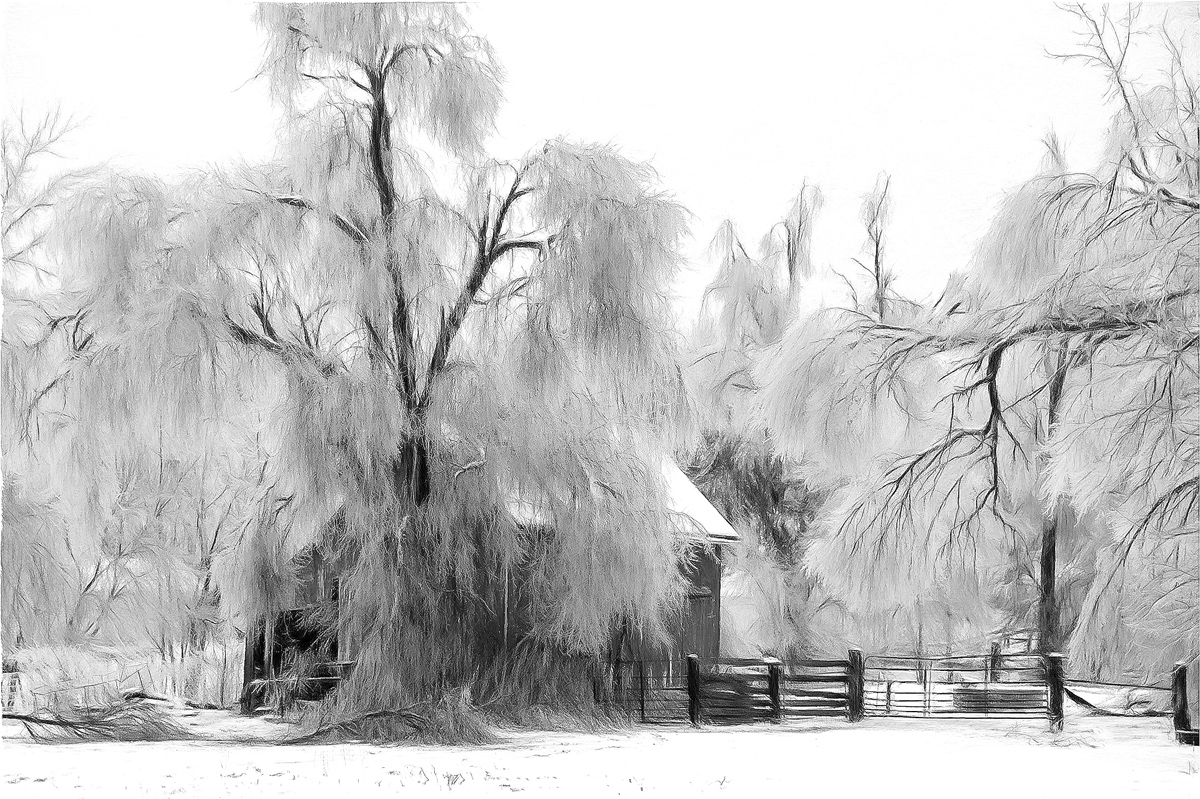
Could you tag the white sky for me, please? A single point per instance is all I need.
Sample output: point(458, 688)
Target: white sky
point(735, 105)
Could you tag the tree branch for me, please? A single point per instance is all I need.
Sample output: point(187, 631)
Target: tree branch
point(490, 249)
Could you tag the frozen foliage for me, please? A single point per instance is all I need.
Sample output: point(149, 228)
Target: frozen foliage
point(334, 350)
point(746, 309)
point(1036, 425)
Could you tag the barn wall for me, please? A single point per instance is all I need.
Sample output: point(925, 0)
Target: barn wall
point(697, 630)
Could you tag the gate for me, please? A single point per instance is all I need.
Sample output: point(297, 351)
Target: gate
point(739, 690)
point(962, 686)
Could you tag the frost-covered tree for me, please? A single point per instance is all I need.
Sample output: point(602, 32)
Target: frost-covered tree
point(42, 579)
point(110, 532)
point(745, 311)
point(1041, 404)
point(875, 213)
point(437, 367)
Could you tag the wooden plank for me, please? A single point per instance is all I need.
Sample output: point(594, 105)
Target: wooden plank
point(733, 687)
point(817, 664)
point(806, 701)
point(816, 695)
point(734, 679)
point(813, 678)
point(735, 699)
point(805, 713)
point(965, 701)
point(740, 662)
point(728, 692)
point(746, 701)
point(725, 702)
point(920, 715)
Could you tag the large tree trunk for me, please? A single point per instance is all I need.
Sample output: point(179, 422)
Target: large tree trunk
point(1054, 519)
point(1049, 629)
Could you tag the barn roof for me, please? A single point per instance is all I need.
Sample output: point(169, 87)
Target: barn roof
point(686, 499)
point(682, 496)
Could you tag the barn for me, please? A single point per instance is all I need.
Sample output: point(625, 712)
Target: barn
point(697, 630)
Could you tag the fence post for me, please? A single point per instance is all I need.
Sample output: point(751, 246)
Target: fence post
point(927, 685)
point(693, 686)
point(774, 678)
point(642, 688)
point(854, 685)
point(994, 664)
point(1054, 687)
point(597, 683)
point(249, 663)
point(1179, 705)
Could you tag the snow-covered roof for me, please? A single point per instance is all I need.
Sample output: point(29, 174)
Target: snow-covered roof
point(686, 499)
point(683, 498)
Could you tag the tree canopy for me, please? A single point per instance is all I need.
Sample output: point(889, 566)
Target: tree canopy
point(1036, 416)
point(379, 344)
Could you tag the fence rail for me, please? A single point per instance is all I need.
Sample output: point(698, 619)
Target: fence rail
point(991, 685)
point(748, 690)
point(736, 690)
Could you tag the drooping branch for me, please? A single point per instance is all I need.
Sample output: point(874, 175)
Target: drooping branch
point(269, 341)
point(911, 477)
point(352, 231)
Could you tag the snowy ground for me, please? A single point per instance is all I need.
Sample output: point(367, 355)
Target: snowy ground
point(1094, 757)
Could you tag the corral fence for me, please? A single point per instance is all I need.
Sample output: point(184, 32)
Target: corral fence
point(748, 690)
point(738, 690)
point(994, 685)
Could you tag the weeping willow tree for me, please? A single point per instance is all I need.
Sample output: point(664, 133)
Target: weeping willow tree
point(1041, 406)
point(44, 583)
point(113, 520)
point(436, 367)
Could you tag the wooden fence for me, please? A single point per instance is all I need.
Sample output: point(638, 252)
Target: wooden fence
point(748, 690)
point(1185, 733)
point(965, 686)
point(739, 690)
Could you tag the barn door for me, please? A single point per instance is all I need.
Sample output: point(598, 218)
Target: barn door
point(701, 624)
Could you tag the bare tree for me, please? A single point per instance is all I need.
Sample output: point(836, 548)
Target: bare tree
point(876, 210)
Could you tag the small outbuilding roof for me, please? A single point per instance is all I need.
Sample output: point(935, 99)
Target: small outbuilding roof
point(682, 496)
point(686, 499)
